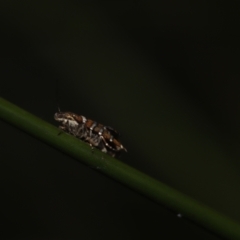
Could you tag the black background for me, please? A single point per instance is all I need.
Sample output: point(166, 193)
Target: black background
point(164, 74)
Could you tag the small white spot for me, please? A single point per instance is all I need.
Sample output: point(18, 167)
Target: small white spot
point(72, 123)
point(179, 215)
point(100, 132)
point(92, 127)
point(84, 119)
point(104, 150)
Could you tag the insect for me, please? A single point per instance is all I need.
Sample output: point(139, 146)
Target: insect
point(97, 135)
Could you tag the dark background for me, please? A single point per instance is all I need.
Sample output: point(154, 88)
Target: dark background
point(165, 74)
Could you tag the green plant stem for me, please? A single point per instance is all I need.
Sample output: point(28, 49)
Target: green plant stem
point(130, 177)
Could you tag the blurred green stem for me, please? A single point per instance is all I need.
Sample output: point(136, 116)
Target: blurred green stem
point(130, 177)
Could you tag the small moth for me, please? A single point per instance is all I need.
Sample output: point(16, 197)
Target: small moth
point(97, 135)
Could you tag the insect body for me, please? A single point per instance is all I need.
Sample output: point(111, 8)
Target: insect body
point(97, 135)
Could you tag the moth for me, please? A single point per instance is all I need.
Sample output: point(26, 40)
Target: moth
point(95, 134)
